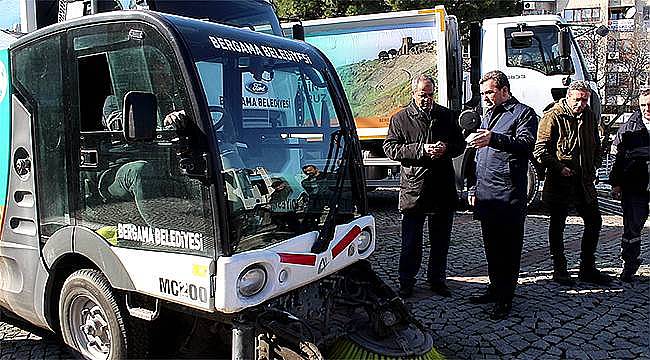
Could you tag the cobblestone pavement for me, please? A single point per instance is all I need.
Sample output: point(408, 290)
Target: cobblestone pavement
point(547, 321)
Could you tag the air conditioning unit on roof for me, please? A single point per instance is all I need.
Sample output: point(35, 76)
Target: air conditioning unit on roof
point(529, 5)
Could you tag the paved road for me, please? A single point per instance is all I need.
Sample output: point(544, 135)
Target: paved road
point(548, 321)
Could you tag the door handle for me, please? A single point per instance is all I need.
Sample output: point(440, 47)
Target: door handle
point(89, 159)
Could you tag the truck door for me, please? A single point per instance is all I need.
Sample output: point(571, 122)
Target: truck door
point(132, 194)
point(38, 193)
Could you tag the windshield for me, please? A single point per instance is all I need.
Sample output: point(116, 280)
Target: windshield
point(280, 143)
point(256, 15)
point(541, 53)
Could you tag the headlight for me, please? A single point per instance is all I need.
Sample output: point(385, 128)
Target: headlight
point(251, 281)
point(363, 241)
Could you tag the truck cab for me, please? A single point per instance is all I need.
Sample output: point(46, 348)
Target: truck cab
point(532, 56)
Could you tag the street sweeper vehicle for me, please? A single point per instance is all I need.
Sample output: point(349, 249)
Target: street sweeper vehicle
point(186, 184)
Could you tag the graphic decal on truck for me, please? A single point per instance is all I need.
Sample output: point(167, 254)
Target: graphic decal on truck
point(259, 50)
point(165, 237)
point(377, 75)
point(183, 289)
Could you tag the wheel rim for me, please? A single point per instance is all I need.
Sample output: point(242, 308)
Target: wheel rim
point(89, 327)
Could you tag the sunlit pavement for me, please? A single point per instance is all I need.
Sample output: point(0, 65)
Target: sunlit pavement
point(547, 320)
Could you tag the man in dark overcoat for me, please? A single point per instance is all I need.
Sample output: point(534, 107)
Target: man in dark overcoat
point(424, 138)
point(505, 143)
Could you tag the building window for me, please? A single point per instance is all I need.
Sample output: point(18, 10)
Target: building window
point(617, 13)
point(582, 15)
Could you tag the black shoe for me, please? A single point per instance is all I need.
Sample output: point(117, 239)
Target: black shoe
point(563, 278)
point(627, 276)
point(482, 299)
point(405, 292)
point(440, 289)
point(594, 276)
point(500, 311)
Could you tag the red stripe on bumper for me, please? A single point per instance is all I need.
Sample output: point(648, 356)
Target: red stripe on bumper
point(298, 259)
point(347, 239)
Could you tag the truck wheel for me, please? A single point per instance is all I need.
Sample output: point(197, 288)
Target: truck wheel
point(533, 183)
point(90, 318)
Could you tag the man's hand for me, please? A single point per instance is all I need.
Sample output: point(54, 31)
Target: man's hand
point(616, 193)
point(435, 150)
point(566, 172)
point(481, 138)
point(177, 119)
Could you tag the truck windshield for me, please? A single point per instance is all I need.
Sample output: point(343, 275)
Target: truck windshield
point(541, 55)
point(280, 144)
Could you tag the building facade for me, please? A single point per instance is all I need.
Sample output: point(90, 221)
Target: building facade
point(620, 61)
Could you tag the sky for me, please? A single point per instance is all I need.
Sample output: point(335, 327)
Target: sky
point(10, 13)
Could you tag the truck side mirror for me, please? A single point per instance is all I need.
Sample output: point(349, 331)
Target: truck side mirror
point(602, 31)
point(564, 48)
point(140, 120)
point(298, 32)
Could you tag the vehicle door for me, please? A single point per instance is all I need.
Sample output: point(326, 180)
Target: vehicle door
point(132, 194)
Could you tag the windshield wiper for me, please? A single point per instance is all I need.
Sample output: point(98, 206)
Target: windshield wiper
point(326, 233)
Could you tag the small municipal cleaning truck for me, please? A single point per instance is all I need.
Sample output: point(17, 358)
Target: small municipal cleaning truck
point(171, 185)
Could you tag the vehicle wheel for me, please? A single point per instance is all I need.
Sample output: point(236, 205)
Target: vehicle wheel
point(90, 318)
point(533, 183)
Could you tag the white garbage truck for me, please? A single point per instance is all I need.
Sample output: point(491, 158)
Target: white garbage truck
point(377, 55)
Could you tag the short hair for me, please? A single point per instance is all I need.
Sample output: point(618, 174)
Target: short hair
point(578, 85)
point(305, 167)
point(644, 92)
point(422, 77)
point(499, 78)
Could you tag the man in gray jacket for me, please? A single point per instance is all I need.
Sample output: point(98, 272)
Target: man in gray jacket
point(504, 143)
point(424, 138)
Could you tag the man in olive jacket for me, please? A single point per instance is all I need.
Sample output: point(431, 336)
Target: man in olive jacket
point(424, 138)
point(568, 145)
point(630, 182)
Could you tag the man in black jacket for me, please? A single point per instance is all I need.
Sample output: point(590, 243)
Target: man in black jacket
point(424, 138)
point(504, 142)
point(629, 180)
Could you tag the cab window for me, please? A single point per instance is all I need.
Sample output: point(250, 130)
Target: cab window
point(133, 193)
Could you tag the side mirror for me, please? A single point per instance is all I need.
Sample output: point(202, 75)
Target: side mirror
point(602, 31)
point(298, 32)
point(564, 48)
point(522, 39)
point(140, 120)
point(469, 120)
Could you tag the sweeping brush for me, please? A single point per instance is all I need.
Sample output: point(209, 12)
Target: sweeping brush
point(348, 349)
point(406, 343)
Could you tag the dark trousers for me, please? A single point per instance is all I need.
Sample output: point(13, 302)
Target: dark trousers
point(590, 214)
point(635, 214)
point(411, 254)
point(503, 237)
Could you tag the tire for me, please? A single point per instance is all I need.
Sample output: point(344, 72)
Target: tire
point(90, 318)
